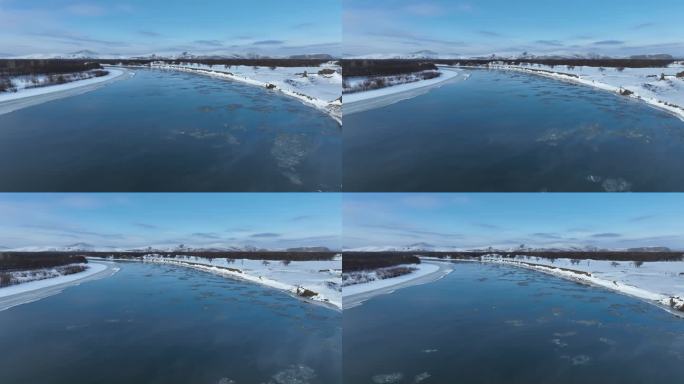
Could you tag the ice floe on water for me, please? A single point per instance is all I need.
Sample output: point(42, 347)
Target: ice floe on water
point(588, 323)
point(297, 374)
point(421, 376)
point(398, 377)
point(578, 359)
point(290, 150)
point(515, 323)
point(565, 334)
point(388, 378)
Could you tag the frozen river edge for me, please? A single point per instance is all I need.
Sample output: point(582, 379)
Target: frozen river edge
point(35, 290)
point(28, 98)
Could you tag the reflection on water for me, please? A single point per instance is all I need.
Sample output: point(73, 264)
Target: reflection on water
point(169, 131)
point(496, 324)
point(159, 324)
point(507, 131)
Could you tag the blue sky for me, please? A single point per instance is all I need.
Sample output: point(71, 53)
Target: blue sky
point(485, 27)
point(544, 220)
point(275, 221)
point(271, 27)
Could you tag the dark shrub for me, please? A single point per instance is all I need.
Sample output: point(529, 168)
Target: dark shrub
point(360, 261)
point(389, 273)
point(20, 67)
point(326, 72)
point(355, 67)
point(5, 279)
point(10, 261)
point(71, 269)
point(303, 292)
point(6, 85)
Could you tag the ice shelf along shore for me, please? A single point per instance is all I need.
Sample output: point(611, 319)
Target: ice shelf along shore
point(377, 98)
point(317, 280)
point(373, 285)
point(30, 291)
point(26, 97)
point(660, 87)
point(319, 87)
point(657, 282)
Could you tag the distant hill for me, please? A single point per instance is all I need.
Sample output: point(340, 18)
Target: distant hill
point(318, 56)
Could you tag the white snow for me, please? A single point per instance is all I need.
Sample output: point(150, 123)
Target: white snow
point(319, 276)
point(659, 282)
point(23, 92)
point(645, 83)
point(318, 90)
point(377, 98)
point(422, 269)
point(92, 269)
point(26, 97)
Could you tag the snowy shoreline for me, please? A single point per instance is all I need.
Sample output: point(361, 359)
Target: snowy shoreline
point(589, 271)
point(629, 82)
point(325, 98)
point(304, 280)
point(428, 272)
point(377, 98)
point(10, 102)
point(24, 293)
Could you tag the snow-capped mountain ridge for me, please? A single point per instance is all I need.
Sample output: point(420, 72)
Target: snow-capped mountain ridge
point(424, 247)
point(85, 247)
point(88, 54)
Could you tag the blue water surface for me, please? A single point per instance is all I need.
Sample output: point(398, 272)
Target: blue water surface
point(170, 131)
point(163, 324)
point(498, 324)
point(507, 131)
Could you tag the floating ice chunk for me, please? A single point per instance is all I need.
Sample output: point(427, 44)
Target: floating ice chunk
point(421, 376)
point(388, 378)
point(296, 374)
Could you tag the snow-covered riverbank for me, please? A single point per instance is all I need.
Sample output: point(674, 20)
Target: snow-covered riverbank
point(425, 272)
point(320, 87)
point(317, 281)
point(658, 282)
point(14, 295)
point(26, 97)
point(378, 98)
point(659, 87)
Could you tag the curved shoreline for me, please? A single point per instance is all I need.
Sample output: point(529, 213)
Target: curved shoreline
point(46, 288)
point(214, 270)
point(636, 293)
point(643, 295)
point(65, 90)
point(357, 299)
point(675, 110)
point(332, 109)
point(378, 98)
